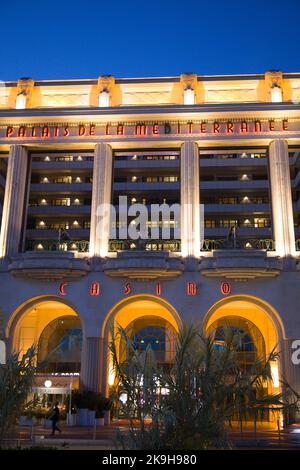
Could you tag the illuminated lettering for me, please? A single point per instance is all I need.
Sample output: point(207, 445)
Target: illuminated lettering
point(9, 131)
point(140, 129)
point(95, 289)
point(225, 288)
point(45, 131)
point(257, 126)
point(271, 125)
point(120, 129)
point(203, 127)
point(81, 130)
point(62, 288)
point(244, 127)
point(167, 128)
point(155, 129)
point(22, 131)
point(216, 128)
point(230, 127)
point(191, 288)
point(127, 288)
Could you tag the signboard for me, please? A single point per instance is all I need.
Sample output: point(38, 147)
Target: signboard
point(147, 129)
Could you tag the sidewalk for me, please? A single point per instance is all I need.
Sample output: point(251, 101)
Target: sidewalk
point(104, 437)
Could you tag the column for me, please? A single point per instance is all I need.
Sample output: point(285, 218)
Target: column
point(90, 374)
point(189, 198)
point(281, 196)
point(13, 206)
point(102, 186)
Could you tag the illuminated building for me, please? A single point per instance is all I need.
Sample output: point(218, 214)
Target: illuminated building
point(231, 143)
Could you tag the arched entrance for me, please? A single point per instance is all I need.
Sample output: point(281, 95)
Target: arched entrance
point(147, 319)
point(54, 328)
point(260, 327)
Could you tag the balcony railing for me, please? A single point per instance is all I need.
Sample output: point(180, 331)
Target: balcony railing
point(81, 246)
point(223, 243)
point(146, 245)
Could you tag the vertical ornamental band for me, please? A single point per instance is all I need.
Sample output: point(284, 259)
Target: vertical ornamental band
point(281, 196)
point(90, 364)
point(101, 196)
point(189, 198)
point(15, 188)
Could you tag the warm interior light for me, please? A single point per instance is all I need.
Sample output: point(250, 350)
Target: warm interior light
point(76, 223)
point(133, 200)
point(76, 201)
point(104, 99)
point(133, 178)
point(78, 179)
point(43, 202)
point(21, 101)
point(47, 159)
point(245, 199)
point(244, 177)
point(48, 383)
point(275, 374)
point(188, 96)
point(42, 223)
point(40, 246)
point(276, 94)
point(111, 376)
point(45, 180)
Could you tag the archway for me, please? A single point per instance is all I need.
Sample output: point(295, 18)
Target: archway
point(260, 325)
point(148, 320)
point(54, 328)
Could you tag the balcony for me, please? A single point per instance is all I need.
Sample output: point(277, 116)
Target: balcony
point(66, 188)
point(232, 162)
point(141, 164)
point(142, 186)
point(60, 165)
point(76, 233)
point(244, 232)
point(75, 209)
point(243, 208)
point(48, 265)
point(235, 184)
point(144, 265)
point(240, 264)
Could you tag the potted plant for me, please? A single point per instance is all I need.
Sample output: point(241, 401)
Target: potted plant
point(85, 402)
point(100, 418)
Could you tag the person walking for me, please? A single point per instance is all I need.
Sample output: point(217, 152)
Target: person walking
point(55, 418)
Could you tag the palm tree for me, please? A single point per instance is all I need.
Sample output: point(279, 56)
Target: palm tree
point(16, 380)
point(207, 388)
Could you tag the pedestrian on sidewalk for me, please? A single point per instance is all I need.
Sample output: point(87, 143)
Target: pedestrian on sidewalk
point(55, 418)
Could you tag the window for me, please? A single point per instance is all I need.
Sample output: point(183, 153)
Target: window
point(227, 200)
point(59, 347)
point(226, 223)
point(209, 223)
point(261, 222)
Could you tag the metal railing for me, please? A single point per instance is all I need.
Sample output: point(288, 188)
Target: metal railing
point(266, 244)
point(82, 246)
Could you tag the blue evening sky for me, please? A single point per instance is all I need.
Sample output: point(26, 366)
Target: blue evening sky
point(50, 39)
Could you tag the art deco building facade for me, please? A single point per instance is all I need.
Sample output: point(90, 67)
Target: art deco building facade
point(231, 143)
